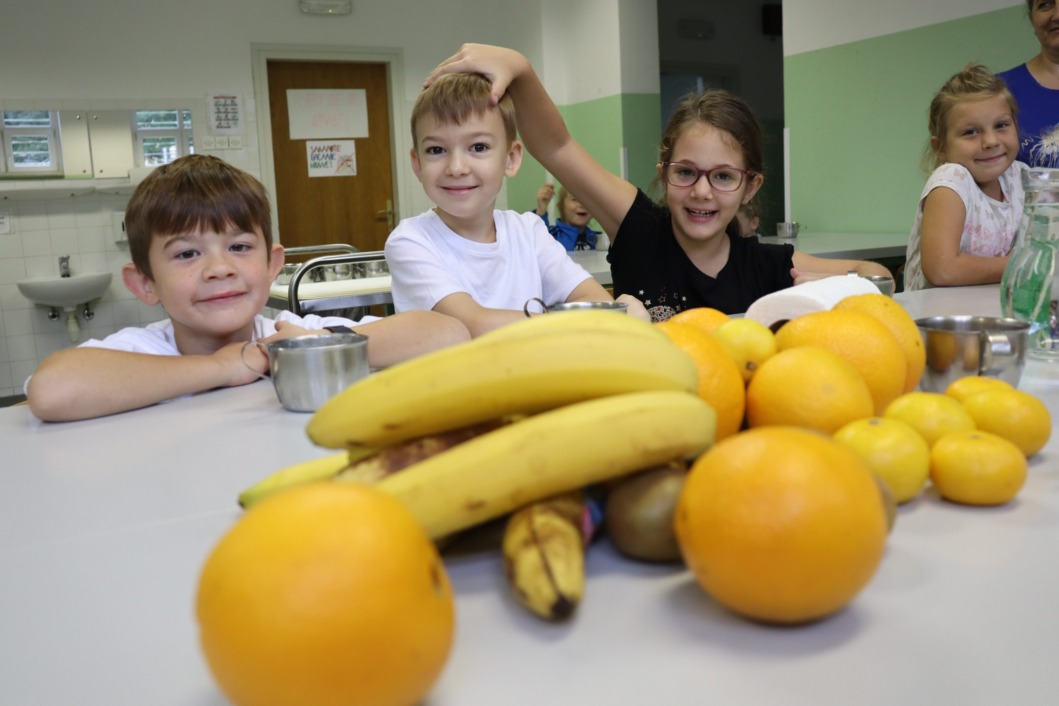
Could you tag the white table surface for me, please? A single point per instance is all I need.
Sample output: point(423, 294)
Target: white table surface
point(853, 246)
point(105, 524)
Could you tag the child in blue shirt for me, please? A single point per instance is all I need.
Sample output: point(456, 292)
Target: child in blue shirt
point(571, 223)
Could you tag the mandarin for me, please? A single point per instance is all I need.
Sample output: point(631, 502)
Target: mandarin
point(903, 327)
point(808, 387)
point(781, 524)
point(858, 338)
point(720, 382)
point(325, 594)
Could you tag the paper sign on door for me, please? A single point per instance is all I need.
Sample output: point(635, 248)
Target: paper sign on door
point(332, 158)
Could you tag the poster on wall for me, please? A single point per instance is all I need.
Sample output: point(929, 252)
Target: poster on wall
point(333, 158)
point(226, 113)
point(327, 114)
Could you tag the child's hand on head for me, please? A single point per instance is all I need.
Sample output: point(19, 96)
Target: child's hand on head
point(497, 64)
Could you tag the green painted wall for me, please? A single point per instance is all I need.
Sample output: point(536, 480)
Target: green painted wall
point(602, 127)
point(857, 115)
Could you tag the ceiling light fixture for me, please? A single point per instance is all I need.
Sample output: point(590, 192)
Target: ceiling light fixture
point(326, 7)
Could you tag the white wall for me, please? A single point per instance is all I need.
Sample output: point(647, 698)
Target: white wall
point(125, 53)
point(817, 24)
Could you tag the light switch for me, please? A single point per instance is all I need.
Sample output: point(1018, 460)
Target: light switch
point(209, 143)
point(222, 142)
point(235, 142)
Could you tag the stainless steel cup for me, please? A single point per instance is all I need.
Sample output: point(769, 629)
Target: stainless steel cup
point(620, 307)
point(309, 370)
point(959, 346)
point(883, 283)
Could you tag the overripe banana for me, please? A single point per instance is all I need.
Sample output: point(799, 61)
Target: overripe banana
point(544, 555)
point(528, 368)
point(364, 465)
point(551, 453)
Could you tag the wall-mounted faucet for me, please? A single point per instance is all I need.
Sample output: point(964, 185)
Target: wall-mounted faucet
point(64, 265)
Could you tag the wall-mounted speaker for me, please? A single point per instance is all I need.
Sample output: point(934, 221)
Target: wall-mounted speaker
point(772, 20)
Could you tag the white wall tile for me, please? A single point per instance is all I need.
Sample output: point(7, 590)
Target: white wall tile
point(11, 246)
point(36, 242)
point(18, 322)
point(21, 348)
point(32, 215)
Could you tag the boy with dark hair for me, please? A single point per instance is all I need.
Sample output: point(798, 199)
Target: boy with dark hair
point(201, 245)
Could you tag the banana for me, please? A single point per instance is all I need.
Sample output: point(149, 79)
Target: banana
point(544, 556)
point(528, 369)
point(551, 453)
point(318, 469)
point(575, 320)
point(363, 465)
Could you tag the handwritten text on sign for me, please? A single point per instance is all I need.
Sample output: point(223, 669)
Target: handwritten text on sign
point(327, 114)
point(334, 158)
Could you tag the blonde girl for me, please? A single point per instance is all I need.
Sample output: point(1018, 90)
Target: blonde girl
point(685, 251)
point(970, 208)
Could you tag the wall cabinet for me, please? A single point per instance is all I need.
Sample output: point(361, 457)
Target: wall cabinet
point(76, 148)
point(110, 135)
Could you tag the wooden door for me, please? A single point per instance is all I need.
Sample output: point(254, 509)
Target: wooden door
point(357, 210)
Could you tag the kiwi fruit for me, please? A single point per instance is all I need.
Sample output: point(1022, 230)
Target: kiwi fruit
point(639, 513)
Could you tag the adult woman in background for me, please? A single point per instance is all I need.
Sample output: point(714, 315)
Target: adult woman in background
point(1035, 85)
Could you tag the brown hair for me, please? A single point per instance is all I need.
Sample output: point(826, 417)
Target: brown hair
point(454, 97)
point(973, 82)
point(192, 192)
point(724, 111)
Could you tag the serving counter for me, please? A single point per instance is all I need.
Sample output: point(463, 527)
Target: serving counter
point(105, 524)
point(848, 246)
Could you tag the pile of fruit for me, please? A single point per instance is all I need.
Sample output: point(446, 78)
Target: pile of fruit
point(561, 425)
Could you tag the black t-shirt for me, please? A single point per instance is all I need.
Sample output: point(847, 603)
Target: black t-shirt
point(647, 262)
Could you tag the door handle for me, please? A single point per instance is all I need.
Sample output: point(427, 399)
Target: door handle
point(386, 215)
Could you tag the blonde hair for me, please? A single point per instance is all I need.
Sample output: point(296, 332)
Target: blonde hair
point(455, 97)
point(974, 82)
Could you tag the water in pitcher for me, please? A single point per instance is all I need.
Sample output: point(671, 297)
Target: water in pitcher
point(1029, 290)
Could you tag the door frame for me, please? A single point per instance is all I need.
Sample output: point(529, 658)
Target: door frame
point(400, 138)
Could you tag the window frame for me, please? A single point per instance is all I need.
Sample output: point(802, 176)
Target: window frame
point(183, 133)
point(8, 167)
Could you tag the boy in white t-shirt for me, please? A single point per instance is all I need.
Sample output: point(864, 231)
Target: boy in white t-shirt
point(463, 258)
point(201, 245)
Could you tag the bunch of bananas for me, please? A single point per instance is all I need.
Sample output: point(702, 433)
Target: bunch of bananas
point(516, 421)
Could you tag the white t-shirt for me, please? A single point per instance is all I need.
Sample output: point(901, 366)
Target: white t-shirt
point(157, 338)
point(990, 226)
point(428, 262)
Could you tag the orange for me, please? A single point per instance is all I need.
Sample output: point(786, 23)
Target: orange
point(1012, 414)
point(864, 342)
point(977, 468)
point(702, 317)
point(893, 450)
point(325, 594)
point(964, 387)
point(932, 414)
point(903, 327)
point(807, 387)
point(780, 524)
point(750, 343)
point(720, 382)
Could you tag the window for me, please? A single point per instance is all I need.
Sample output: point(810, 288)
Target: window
point(161, 136)
point(30, 142)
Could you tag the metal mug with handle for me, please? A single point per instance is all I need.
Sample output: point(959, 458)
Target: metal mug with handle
point(960, 346)
point(621, 307)
point(309, 370)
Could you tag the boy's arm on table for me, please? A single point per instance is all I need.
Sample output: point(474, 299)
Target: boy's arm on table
point(411, 333)
point(477, 318)
point(80, 383)
point(939, 245)
point(605, 195)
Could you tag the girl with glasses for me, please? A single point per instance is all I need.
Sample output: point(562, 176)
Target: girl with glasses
point(684, 251)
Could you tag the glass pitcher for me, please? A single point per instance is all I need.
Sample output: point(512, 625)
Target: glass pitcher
point(1029, 290)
